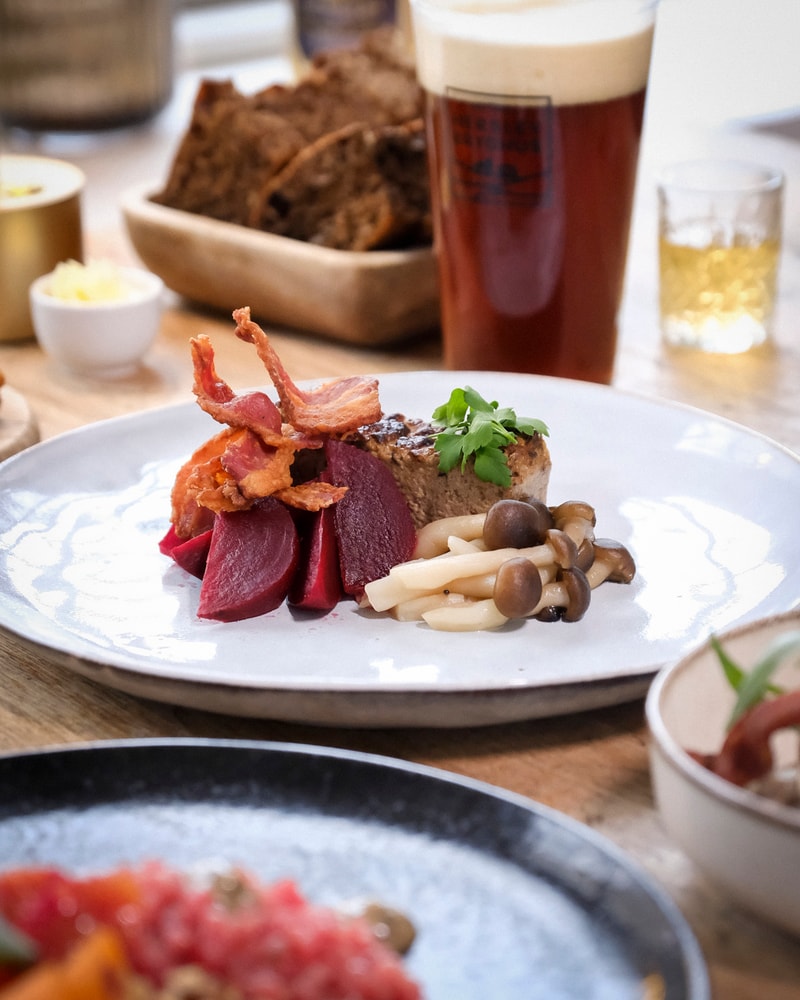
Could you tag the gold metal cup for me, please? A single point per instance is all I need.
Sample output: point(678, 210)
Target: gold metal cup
point(40, 225)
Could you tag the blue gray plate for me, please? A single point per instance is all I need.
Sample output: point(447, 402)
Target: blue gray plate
point(511, 900)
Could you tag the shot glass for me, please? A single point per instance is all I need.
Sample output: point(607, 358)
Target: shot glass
point(534, 115)
point(719, 252)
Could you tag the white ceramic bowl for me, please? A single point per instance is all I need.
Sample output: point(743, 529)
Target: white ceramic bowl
point(104, 339)
point(747, 844)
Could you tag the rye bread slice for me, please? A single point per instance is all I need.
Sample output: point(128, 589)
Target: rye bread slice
point(360, 188)
point(235, 142)
point(231, 148)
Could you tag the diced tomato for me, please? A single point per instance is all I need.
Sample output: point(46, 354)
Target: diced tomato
point(56, 911)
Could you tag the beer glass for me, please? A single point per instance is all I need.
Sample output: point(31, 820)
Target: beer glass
point(534, 116)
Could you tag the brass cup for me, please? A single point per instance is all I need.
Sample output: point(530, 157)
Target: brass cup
point(40, 226)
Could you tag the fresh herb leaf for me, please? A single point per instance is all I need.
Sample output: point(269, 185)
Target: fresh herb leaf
point(490, 465)
point(16, 948)
point(756, 685)
point(733, 672)
point(474, 428)
point(753, 687)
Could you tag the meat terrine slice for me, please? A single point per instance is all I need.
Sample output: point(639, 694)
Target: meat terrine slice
point(406, 446)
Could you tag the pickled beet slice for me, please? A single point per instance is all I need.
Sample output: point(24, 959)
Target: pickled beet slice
point(374, 528)
point(192, 555)
point(189, 553)
point(169, 541)
point(317, 585)
point(251, 561)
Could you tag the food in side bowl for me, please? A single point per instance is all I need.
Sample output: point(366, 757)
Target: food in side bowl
point(338, 159)
point(762, 709)
point(97, 280)
point(154, 933)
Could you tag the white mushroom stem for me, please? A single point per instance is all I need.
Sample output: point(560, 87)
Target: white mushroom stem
point(570, 591)
point(431, 574)
point(612, 561)
point(475, 616)
point(432, 538)
point(578, 529)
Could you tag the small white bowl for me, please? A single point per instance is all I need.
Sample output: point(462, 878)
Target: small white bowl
point(747, 844)
point(104, 339)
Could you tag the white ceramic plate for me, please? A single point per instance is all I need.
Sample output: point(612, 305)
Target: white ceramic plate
point(705, 506)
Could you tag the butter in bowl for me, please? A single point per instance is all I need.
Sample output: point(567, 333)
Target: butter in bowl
point(97, 319)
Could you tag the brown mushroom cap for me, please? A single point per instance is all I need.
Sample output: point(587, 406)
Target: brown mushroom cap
point(549, 613)
point(579, 594)
point(585, 554)
point(516, 524)
point(517, 587)
point(612, 561)
point(571, 510)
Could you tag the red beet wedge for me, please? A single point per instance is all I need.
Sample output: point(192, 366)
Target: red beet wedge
point(317, 585)
point(189, 553)
point(374, 528)
point(251, 562)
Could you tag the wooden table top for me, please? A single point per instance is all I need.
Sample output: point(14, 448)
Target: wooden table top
point(592, 766)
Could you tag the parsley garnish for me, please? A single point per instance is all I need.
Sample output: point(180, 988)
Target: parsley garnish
point(474, 428)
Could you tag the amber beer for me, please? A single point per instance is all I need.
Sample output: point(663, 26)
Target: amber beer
point(533, 151)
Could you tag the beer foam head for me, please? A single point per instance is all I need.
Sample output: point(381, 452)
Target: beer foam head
point(570, 51)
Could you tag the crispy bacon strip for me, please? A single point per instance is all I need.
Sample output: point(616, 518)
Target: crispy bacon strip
point(746, 754)
point(311, 496)
point(260, 470)
point(253, 456)
point(333, 408)
point(218, 495)
point(254, 410)
point(187, 517)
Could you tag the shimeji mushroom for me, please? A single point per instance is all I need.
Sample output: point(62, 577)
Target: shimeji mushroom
point(612, 561)
point(517, 588)
point(565, 551)
point(516, 524)
point(566, 598)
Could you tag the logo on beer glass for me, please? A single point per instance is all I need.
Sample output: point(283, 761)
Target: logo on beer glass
point(502, 148)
